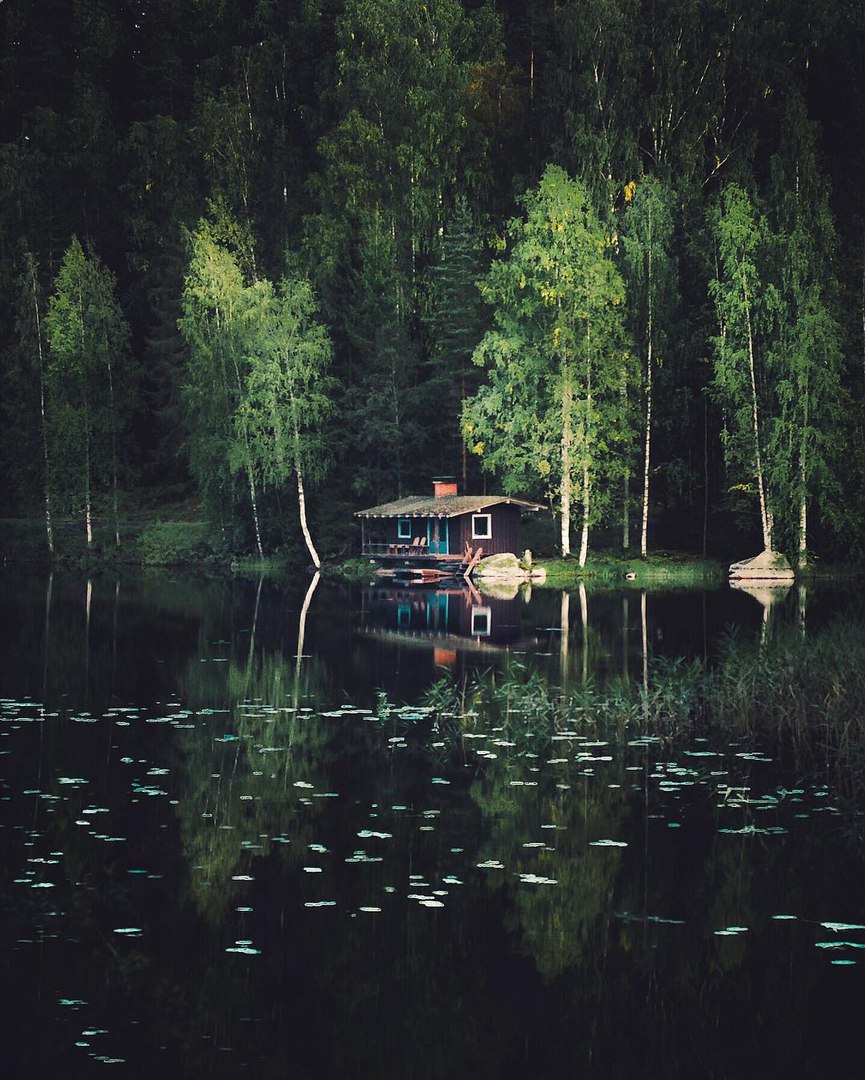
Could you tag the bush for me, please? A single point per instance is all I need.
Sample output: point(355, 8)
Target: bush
point(173, 543)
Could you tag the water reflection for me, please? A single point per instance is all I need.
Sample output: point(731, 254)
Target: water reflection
point(769, 597)
point(144, 638)
point(234, 837)
point(449, 620)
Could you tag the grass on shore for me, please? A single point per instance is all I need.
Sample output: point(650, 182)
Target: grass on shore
point(658, 568)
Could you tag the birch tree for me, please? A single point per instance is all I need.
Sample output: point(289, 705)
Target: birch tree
point(217, 308)
point(650, 272)
point(32, 341)
point(551, 410)
point(89, 380)
point(808, 360)
point(745, 303)
point(288, 393)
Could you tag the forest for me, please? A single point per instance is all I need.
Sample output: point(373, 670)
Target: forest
point(275, 261)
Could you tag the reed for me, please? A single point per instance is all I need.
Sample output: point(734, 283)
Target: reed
point(796, 691)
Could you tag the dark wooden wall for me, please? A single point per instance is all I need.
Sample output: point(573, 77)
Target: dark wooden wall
point(506, 532)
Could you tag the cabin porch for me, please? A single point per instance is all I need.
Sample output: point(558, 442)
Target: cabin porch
point(426, 539)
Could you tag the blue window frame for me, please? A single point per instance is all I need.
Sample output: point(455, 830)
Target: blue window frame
point(403, 529)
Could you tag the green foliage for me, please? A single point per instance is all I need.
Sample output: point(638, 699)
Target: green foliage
point(287, 392)
point(389, 141)
point(256, 388)
point(807, 357)
point(90, 379)
point(746, 302)
point(550, 413)
point(174, 543)
point(778, 355)
point(216, 305)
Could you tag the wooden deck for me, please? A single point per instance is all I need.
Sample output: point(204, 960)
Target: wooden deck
point(421, 564)
point(407, 551)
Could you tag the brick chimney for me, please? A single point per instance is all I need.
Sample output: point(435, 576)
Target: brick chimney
point(444, 485)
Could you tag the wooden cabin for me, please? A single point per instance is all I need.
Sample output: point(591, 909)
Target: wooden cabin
point(443, 527)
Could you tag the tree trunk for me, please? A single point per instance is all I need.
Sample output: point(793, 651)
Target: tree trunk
point(584, 535)
point(49, 530)
point(626, 509)
point(803, 483)
point(586, 441)
point(650, 359)
point(301, 498)
point(254, 502)
point(113, 454)
point(567, 464)
point(647, 449)
point(88, 513)
point(765, 518)
point(803, 523)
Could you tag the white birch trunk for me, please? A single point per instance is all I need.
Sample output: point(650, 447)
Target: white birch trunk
point(301, 501)
point(584, 535)
point(647, 452)
point(765, 519)
point(803, 497)
point(803, 531)
point(88, 512)
point(567, 465)
point(254, 502)
point(650, 357)
point(586, 436)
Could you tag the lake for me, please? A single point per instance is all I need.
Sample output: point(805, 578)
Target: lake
point(240, 835)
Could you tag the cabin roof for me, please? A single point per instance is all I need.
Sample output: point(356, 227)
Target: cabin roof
point(445, 506)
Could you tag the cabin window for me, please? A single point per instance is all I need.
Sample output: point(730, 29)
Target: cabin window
point(403, 529)
point(480, 621)
point(482, 526)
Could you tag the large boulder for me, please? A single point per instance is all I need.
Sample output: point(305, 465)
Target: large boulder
point(506, 561)
point(506, 567)
point(767, 566)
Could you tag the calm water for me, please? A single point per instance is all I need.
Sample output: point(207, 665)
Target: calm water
point(234, 842)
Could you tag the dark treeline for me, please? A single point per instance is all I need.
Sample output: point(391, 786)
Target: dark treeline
point(288, 258)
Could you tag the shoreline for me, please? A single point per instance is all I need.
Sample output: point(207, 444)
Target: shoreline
point(184, 546)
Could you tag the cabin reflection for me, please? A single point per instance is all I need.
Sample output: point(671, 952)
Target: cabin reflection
point(448, 620)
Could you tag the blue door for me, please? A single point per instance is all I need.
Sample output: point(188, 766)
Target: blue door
point(437, 533)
